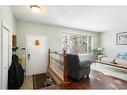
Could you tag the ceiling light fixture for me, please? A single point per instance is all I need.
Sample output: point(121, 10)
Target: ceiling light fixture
point(35, 8)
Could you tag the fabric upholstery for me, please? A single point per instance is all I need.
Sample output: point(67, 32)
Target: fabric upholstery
point(77, 68)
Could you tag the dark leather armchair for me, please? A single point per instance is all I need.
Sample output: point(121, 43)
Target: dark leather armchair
point(77, 69)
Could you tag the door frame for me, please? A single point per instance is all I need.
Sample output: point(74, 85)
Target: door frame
point(26, 58)
point(4, 26)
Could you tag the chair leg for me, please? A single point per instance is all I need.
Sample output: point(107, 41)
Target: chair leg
point(86, 76)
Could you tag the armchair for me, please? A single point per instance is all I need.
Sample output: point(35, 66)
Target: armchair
point(77, 67)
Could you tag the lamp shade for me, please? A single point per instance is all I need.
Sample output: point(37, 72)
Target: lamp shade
point(37, 43)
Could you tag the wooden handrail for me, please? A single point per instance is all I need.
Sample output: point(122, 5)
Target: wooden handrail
point(65, 76)
point(57, 53)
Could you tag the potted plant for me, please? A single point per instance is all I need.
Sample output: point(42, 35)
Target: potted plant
point(96, 52)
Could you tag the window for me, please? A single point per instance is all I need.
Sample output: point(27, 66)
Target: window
point(78, 44)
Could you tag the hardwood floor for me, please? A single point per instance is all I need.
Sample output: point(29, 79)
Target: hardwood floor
point(97, 80)
point(28, 83)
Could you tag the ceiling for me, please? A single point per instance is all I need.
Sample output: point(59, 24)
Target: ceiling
point(91, 18)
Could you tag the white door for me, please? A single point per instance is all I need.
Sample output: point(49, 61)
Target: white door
point(5, 57)
point(36, 62)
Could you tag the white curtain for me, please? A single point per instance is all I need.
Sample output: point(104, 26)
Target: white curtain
point(77, 44)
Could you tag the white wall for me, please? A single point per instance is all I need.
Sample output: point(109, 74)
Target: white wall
point(52, 33)
point(108, 42)
point(7, 17)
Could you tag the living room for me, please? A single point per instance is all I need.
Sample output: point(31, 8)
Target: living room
point(99, 28)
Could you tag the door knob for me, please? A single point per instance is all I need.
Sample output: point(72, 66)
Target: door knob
point(28, 56)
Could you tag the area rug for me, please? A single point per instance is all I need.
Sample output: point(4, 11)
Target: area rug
point(110, 70)
point(40, 81)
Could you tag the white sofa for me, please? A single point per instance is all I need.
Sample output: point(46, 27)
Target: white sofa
point(121, 61)
point(121, 58)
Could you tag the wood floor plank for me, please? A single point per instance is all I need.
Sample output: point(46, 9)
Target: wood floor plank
point(97, 80)
point(28, 83)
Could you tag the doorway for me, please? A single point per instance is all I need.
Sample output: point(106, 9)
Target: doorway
point(36, 55)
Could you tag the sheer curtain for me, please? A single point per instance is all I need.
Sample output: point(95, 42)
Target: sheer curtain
point(77, 44)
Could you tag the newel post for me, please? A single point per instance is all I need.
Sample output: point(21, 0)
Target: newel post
point(65, 66)
point(48, 57)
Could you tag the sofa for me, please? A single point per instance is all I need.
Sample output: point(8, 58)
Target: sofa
point(120, 58)
point(78, 65)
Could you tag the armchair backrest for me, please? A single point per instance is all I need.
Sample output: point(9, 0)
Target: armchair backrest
point(72, 62)
point(84, 57)
point(72, 59)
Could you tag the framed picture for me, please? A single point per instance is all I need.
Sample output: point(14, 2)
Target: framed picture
point(121, 38)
